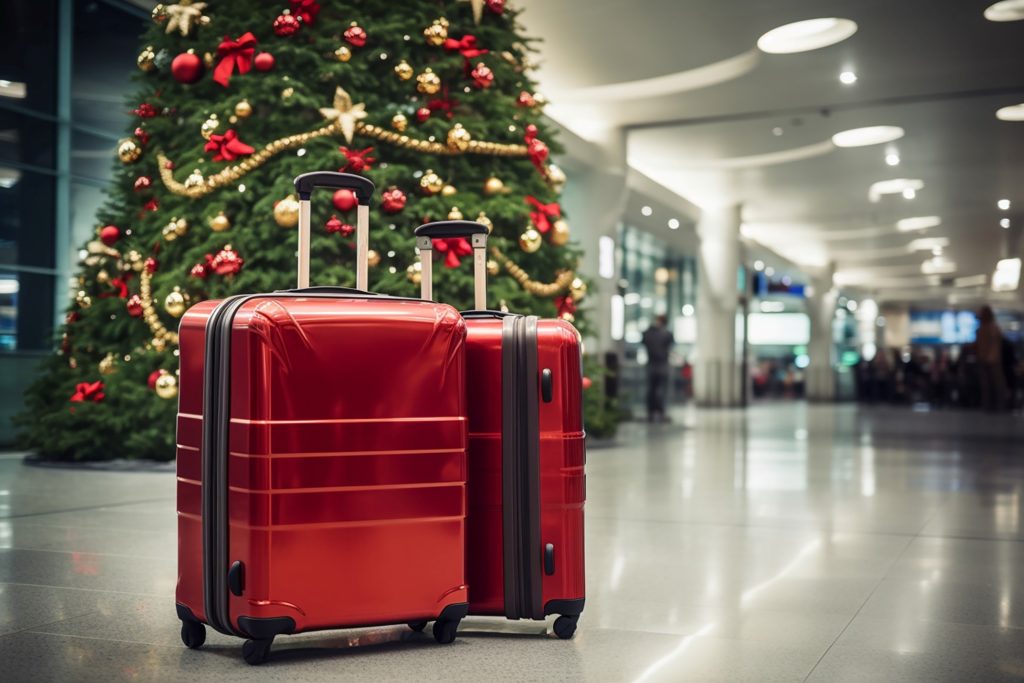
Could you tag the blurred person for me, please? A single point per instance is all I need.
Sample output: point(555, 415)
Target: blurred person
point(687, 374)
point(1009, 363)
point(991, 379)
point(658, 341)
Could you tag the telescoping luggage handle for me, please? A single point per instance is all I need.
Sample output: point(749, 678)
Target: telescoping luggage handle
point(363, 189)
point(425, 236)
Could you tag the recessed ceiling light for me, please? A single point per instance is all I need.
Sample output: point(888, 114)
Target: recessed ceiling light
point(673, 223)
point(909, 193)
point(871, 135)
point(1014, 112)
point(847, 78)
point(937, 265)
point(892, 159)
point(893, 186)
point(647, 211)
point(1006, 10)
point(917, 223)
point(759, 265)
point(1003, 204)
point(928, 243)
point(777, 131)
point(810, 34)
point(1004, 223)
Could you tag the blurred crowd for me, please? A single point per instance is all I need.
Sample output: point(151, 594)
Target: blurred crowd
point(986, 374)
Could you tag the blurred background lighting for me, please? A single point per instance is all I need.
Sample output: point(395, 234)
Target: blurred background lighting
point(810, 34)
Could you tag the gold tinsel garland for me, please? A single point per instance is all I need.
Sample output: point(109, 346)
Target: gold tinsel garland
point(161, 335)
point(546, 289)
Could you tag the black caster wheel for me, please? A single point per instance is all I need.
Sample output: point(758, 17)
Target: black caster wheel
point(417, 625)
point(444, 630)
point(256, 651)
point(565, 626)
point(193, 634)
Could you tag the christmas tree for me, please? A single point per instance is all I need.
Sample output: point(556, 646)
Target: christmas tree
point(430, 100)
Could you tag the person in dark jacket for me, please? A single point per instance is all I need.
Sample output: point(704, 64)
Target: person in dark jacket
point(659, 342)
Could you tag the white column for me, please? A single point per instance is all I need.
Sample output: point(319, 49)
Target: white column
point(717, 373)
point(820, 380)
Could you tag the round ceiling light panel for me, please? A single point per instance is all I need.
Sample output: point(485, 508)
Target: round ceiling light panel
point(871, 135)
point(1015, 112)
point(1006, 10)
point(803, 36)
point(917, 223)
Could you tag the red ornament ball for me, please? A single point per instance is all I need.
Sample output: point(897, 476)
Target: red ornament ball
point(187, 68)
point(110, 235)
point(134, 306)
point(199, 270)
point(355, 36)
point(345, 200)
point(393, 200)
point(285, 25)
point(496, 6)
point(151, 265)
point(334, 224)
point(422, 114)
point(482, 76)
point(143, 182)
point(264, 61)
point(153, 377)
point(587, 382)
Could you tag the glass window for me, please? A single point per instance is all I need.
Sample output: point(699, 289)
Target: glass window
point(26, 139)
point(93, 156)
point(28, 47)
point(26, 220)
point(26, 302)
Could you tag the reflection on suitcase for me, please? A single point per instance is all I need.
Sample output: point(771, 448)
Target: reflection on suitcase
point(524, 554)
point(321, 458)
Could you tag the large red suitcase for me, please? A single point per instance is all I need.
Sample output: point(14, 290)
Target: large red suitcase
point(526, 482)
point(321, 458)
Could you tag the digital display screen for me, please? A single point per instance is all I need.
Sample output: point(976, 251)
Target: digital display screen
point(943, 327)
point(778, 329)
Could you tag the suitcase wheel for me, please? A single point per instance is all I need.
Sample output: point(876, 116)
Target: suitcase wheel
point(565, 626)
point(193, 634)
point(256, 651)
point(417, 625)
point(445, 629)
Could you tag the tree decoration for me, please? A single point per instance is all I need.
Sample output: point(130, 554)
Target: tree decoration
point(209, 126)
point(344, 200)
point(177, 227)
point(128, 150)
point(540, 289)
point(220, 222)
point(466, 46)
point(437, 32)
point(530, 241)
point(142, 136)
point(145, 111)
point(187, 67)
point(194, 179)
point(458, 138)
point(492, 267)
point(285, 24)
point(227, 147)
point(400, 123)
point(146, 60)
point(335, 225)
point(107, 365)
point(227, 262)
point(150, 265)
point(556, 178)
point(482, 76)
point(453, 248)
point(483, 220)
point(559, 233)
point(175, 303)
point(578, 288)
point(286, 212)
point(86, 392)
point(243, 109)
point(372, 258)
point(414, 272)
point(200, 270)
point(403, 70)
point(422, 114)
point(431, 183)
point(264, 62)
point(343, 113)
point(536, 149)
point(152, 205)
point(355, 35)
point(525, 99)
point(166, 385)
point(343, 53)
point(455, 214)
point(566, 307)
point(357, 161)
point(543, 214)
point(143, 182)
point(428, 82)
point(235, 54)
point(183, 16)
point(392, 200)
point(493, 186)
point(110, 234)
point(448, 190)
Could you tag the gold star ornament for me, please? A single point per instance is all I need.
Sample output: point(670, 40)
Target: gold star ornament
point(183, 16)
point(344, 114)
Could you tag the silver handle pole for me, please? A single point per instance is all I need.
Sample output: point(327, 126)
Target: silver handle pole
point(304, 219)
point(362, 247)
point(426, 247)
point(480, 272)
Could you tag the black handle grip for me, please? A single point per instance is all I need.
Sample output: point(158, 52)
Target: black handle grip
point(546, 389)
point(441, 229)
point(486, 314)
point(327, 289)
point(305, 184)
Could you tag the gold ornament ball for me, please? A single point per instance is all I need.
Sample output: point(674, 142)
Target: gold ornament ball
point(166, 386)
point(493, 186)
point(578, 289)
point(208, 60)
point(209, 127)
point(220, 222)
point(108, 365)
point(403, 70)
point(175, 304)
point(458, 138)
point(492, 267)
point(286, 212)
point(128, 150)
point(373, 258)
point(483, 220)
point(556, 176)
point(448, 191)
point(195, 179)
point(455, 214)
point(159, 13)
point(437, 32)
point(399, 122)
point(103, 277)
point(530, 241)
point(147, 59)
point(243, 109)
point(287, 92)
point(540, 99)
point(174, 229)
point(414, 272)
point(343, 53)
point(428, 83)
point(431, 183)
point(560, 233)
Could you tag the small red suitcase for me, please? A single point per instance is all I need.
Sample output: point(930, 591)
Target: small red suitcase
point(321, 457)
point(526, 481)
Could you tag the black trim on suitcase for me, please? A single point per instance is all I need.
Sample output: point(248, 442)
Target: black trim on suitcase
point(520, 455)
point(566, 608)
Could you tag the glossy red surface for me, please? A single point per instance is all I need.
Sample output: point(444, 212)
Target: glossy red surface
point(562, 458)
point(347, 460)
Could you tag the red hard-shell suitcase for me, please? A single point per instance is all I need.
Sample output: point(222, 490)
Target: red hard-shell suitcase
point(526, 482)
point(321, 458)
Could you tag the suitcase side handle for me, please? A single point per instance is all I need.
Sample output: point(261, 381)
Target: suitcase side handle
point(363, 189)
point(425, 236)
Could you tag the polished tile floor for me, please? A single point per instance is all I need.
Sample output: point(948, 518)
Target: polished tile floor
point(787, 542)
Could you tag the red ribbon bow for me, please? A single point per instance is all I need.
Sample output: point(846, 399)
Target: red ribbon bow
point(227, 147)
point(466, 46)
point(543, 214)
point(121, 285)
point(226, 262)
point(234, 54)
point(536, 149)
point(88, 391)
point(444, 103)
point(453, 248)
point(306, 10)
point(357, 160)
